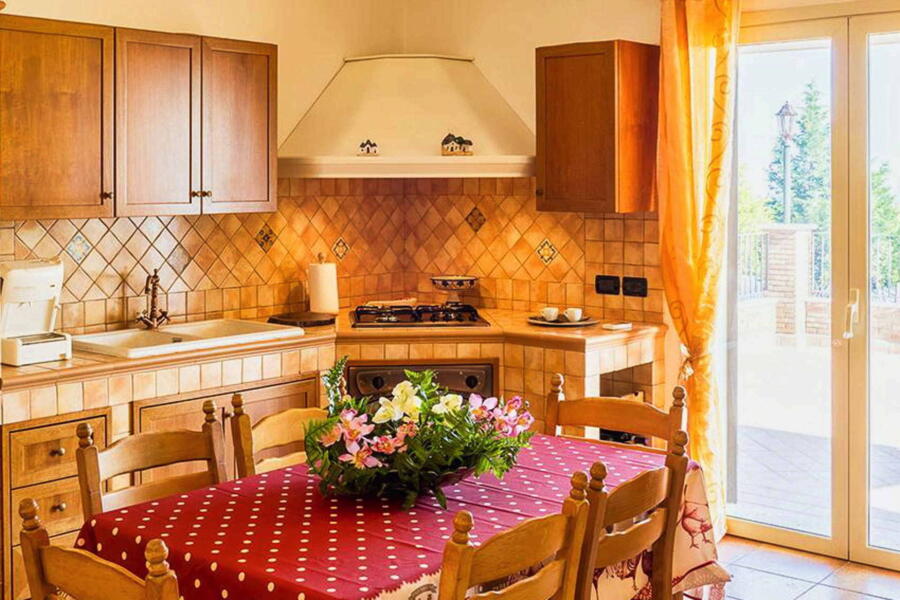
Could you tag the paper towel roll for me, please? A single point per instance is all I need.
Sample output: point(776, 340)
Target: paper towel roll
point(323, 288)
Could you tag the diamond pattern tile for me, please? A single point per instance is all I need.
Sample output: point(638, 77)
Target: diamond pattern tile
point(401, 232)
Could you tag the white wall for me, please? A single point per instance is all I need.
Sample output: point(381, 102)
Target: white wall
point(313, 36)
point(502, 34)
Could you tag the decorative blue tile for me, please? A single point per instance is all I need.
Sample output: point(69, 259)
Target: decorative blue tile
point(265, 238)
point(78, 247)
point(475, 219)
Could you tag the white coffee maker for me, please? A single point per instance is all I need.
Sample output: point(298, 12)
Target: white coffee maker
point(30, 292)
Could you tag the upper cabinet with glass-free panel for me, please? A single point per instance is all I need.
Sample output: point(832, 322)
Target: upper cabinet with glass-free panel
point(101, 122)
point(597, 113)
point(56, 119)
point(239, 126)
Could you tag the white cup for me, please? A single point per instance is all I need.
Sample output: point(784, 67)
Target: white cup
point(573, 314)
point(550, 313)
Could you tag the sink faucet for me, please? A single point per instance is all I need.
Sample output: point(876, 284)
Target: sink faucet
point(156, 317)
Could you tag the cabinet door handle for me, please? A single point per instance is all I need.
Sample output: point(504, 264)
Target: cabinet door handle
point(62, 506)
point(58, 451)
point(106, 195)
point(195, 194)
point(206, 194)
point(539, 192)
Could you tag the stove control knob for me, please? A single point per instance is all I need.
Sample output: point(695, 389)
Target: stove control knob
point(472, 382)
point(378, 382)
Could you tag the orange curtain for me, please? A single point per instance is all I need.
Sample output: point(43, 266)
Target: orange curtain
point(697, 79)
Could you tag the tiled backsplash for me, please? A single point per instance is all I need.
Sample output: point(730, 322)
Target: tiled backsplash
point(387, 236)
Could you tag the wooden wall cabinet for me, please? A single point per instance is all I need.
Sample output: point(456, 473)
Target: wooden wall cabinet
point(240, 154)
point(157, 123)
point(597, 113)
point(56, 119)
point(102, 122)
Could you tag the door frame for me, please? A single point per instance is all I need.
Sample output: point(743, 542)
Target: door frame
point(835, 29)
point(859, 29)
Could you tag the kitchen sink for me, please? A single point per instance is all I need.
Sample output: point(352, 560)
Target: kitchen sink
point(182, 337)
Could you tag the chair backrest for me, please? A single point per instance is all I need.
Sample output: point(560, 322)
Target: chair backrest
point(617, 414)
point(146, 451)
point(82, 575)
point(273, 431)
point(641, 514)
point(553, 542)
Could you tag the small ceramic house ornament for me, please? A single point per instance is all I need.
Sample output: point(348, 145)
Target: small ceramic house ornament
point(455, 145)
point(368, 148)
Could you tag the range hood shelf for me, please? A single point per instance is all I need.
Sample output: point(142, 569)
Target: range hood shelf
point(407, 103)
point(406, 166)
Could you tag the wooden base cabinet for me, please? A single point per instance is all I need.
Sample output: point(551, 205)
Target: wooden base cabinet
point(40, 463)
point(597, 105)
point(188, 414)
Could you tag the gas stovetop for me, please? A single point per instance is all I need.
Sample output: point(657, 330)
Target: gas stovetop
point(422, 315)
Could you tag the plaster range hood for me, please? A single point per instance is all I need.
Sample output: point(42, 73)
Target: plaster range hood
point(407, 103)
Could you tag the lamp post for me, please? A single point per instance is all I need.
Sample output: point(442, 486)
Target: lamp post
point(786, 116)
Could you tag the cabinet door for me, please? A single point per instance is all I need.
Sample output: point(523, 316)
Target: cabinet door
point(157, 123)
point(576, 141)
point(56, 119)
point(239, 126)
point(188, 414)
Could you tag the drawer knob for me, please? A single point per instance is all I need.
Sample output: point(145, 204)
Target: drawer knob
point(58, 452)
point(59, 507)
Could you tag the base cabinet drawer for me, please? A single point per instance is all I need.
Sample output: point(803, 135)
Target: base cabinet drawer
point(59, 502)
point(19, 578)
point(47, 453)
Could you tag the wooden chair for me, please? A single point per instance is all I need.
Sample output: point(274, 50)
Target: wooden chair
point(613, 413)
point(274, 431)
point(554, 541)
point(53, 571)
point(640, 514)
point(146, 451)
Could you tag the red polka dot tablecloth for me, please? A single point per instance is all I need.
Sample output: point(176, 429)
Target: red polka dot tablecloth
point(274, 536)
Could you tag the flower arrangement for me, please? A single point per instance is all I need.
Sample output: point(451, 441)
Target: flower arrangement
point(413, 442)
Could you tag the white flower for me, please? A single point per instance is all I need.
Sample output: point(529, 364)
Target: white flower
point(404, 390)
point(447, 403)
point(390, 410)
point(412, 406)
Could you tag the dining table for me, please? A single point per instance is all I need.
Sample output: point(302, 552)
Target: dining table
point(276, 536)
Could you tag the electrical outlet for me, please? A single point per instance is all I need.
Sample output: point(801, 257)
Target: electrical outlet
point(607, 284)
point(634, 286)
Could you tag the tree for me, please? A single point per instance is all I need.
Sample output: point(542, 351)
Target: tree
point(753, 210)
point(810, 164)
point(885, 227)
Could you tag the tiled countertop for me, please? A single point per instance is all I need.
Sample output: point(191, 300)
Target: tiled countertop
point(505, 326)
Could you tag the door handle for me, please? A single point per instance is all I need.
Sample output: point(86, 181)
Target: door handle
point(851, 314)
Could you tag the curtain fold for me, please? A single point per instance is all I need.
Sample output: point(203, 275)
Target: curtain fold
point(697, 81)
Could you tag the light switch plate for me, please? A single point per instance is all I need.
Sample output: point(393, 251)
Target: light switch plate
point(634, 286)
point(607, 284)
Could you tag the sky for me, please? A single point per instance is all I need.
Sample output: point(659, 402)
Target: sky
point(769, 74)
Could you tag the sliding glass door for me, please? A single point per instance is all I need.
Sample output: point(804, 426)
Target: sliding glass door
point(875, 277)
point(814, 390)
point(788, 375)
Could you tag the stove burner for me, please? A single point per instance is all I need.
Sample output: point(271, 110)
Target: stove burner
point(450, 314)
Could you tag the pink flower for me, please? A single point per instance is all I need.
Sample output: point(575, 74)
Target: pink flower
point(521, 423)
point(515, 404)
point(480, 408)
point(354, 426)
point(332, 435)
point(387, 444)
point(408, 429)
point(360, 456)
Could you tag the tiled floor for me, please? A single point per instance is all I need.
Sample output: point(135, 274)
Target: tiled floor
point(763, 572)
